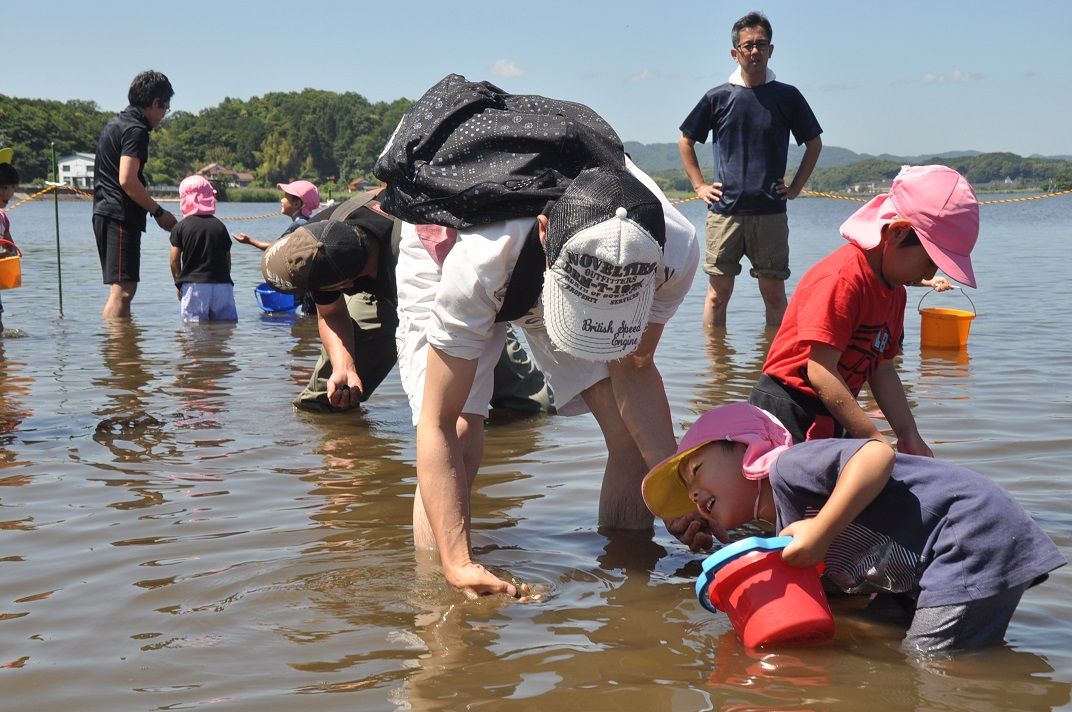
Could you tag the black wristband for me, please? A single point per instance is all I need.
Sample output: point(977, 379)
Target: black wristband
point(158, 212)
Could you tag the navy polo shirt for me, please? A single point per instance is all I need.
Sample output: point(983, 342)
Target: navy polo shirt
point(751, 126)
point(127, 134)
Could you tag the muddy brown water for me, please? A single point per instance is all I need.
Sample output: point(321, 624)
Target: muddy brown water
point(173, 535)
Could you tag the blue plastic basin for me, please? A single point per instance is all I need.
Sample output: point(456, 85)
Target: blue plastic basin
point(270, 300)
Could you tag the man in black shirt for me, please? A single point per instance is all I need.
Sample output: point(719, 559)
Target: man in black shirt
point(120, 199)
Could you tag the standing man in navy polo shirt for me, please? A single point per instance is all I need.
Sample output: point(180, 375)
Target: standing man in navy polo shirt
point(751, 116)
point(120, 199)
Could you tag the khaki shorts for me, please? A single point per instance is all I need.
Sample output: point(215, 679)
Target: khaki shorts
point(763, 238)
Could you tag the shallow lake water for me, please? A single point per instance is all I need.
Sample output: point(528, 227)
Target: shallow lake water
point(173, 535)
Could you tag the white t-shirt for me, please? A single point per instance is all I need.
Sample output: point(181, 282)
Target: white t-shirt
point(478, 268)
point(453, 306)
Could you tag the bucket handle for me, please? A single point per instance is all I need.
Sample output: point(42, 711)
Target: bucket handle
point(6, 244)
point(932, 290)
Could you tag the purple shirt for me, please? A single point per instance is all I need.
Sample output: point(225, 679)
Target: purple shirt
point(940, 531)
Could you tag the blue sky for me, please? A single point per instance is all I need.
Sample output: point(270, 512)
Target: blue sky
point(900, 76)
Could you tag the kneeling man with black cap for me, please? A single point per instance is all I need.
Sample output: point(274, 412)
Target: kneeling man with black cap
point(345, 257)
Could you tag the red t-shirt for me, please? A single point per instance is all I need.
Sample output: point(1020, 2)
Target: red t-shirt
point(840, 302)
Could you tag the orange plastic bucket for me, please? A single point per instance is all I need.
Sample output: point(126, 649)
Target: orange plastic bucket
point(770, 602)
point(11, 266)
point(945, 328)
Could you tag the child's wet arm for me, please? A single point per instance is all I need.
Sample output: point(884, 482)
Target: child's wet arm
point(835, 394)
point(174, 257)
point(860, 481)
point(889, 393)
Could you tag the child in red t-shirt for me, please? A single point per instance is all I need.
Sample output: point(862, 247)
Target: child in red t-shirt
point(844, 323)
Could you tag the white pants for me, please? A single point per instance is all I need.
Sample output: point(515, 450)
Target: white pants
point(204, 301)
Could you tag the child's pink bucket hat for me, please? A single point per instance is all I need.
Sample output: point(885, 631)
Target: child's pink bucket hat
point(304, 191)
point(765, 437)
point(941, 207)
point(196, 197)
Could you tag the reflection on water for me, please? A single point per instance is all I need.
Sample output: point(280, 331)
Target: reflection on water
point(125, 428)
point(205, 363)
point(360, 472)
point(173, 535)
point(14, 401)
point(734, 365)
point(802, 678)
point(743, 679)
point(943, 363)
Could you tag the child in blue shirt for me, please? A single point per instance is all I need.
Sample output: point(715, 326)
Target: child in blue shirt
point(954, 542)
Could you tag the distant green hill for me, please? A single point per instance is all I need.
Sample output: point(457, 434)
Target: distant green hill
point(659, 157)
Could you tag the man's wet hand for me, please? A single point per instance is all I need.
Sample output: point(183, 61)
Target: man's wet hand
point(691, 530)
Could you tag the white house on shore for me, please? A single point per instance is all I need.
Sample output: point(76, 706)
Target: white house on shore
point(77, 170)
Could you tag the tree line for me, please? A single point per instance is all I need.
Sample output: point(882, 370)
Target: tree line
point(318, 135)
point(332, 138)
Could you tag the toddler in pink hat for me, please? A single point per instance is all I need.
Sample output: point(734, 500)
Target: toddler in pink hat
point(201, 256)
point(196, 197)
point(939, 206)
point(300, 199)
point(845, 321)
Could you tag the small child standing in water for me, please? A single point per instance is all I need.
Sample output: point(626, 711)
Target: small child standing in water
point(9, 181)
point(201, 256)
point(300, 199)
point(958, 547)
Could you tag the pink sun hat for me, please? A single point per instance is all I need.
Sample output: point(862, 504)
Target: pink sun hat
point(196, 197)
point(306, 192)
point(941, 207)
point(763, 435)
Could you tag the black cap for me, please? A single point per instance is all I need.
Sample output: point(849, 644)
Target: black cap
point(316, 256)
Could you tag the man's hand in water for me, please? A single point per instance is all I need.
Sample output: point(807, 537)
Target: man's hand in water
point(344, 390)
point(474, 581)
point(692, 530)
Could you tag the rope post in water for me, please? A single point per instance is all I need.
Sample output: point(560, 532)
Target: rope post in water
point(56, 208)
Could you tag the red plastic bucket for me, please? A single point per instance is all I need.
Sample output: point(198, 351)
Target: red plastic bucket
point(770, 602)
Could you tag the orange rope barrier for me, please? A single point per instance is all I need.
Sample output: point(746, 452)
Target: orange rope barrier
point(84, 194)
